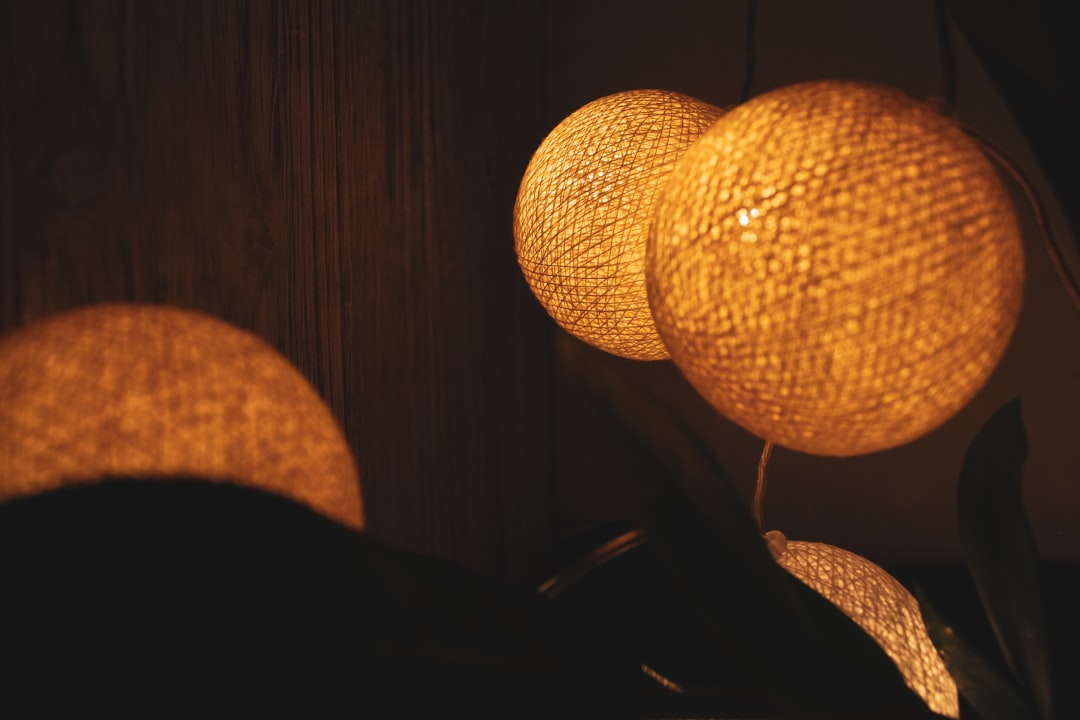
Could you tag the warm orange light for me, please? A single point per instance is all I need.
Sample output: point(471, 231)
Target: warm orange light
point(584, 207)
point(835, 267)
point(138, 390)
point(881, 606)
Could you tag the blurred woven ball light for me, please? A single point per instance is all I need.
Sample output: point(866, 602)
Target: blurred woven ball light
point(878, 604)
point(583, 211)
point(140, 390)
point(835, 267)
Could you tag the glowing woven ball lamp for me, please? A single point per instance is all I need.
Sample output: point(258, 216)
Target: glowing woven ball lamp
point(583, 210)
point(835, 267)
point(878, 604)
point(140, 390)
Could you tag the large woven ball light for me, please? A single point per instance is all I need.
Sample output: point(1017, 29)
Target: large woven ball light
point(583, 210)
point(881, 606)
point(835, 267)
point(140, 390)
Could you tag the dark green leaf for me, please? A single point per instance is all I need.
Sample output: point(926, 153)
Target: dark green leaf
point(987, 692)
point(780, 638)
point(1019, 34)
point(1000, 550)
point(1027, 49)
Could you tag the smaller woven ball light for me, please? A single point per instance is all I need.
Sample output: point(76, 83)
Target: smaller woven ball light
point(156, 391)
point(878, 604)
point(583, 211)
point(835, 267)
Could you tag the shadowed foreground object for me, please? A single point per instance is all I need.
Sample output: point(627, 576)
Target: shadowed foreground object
point(152, 595)
point(835, 267)
point(583, 210)
point(142, 390)
point(881, 606)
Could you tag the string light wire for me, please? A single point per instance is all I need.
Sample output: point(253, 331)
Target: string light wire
point(759, 491)
point(948, 64)
point(751, 50)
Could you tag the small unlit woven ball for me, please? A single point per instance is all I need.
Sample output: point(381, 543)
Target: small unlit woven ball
point(883, 608)
point(835, 267)
point(583, 211)
point(155, 391)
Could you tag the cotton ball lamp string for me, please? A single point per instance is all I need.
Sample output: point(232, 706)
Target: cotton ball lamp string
point(878, 604)
point(148, 390)
point(835, 267)
point(872, 598)
point(583, 210)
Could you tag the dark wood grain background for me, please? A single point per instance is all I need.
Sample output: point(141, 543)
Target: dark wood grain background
point(336, 177)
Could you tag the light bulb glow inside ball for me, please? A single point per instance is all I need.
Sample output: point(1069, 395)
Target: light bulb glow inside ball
point(583, 210)
point(878, 604)
point(156, 391)
point(835, 267)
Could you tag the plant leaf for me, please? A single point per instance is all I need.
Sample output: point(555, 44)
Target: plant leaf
point(1000, 550)
point(987, 692)
point(1027, 50)
point(780, 638)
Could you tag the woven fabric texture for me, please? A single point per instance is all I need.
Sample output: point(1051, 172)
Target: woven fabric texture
point(131, 390)
point(583, 210)
point(835, 267)
point(883, 608)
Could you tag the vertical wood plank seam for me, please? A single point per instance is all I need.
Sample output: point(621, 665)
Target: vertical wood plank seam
point(315, 290)
point(12, 292)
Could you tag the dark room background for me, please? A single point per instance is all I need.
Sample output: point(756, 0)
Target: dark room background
point(338, 178)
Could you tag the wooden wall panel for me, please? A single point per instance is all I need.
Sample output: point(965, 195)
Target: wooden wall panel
point(336, 177)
